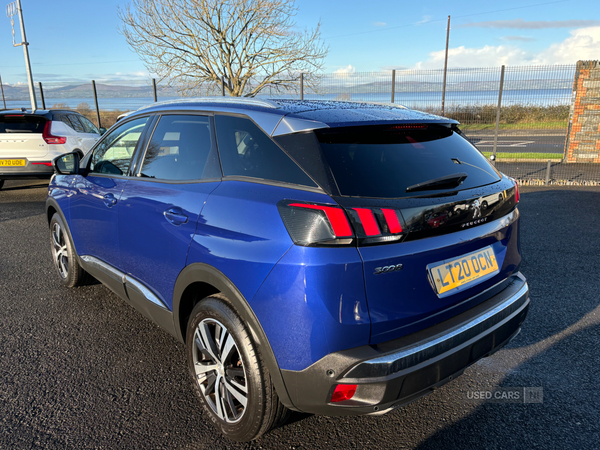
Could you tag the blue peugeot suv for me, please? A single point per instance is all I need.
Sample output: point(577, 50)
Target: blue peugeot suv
point(326, 257)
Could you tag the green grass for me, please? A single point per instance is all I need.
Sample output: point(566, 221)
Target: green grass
point(552, 125)
point(522, 155)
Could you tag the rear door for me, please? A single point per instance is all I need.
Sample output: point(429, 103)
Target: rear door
point(88, 134)
point(160, 207)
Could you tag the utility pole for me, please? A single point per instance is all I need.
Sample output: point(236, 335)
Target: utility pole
point(445, 67)
point(12, 9)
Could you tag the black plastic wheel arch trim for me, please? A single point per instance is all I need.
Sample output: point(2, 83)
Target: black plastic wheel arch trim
point(204, 273)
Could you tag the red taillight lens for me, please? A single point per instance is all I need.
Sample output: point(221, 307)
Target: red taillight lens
point(50, 138)
point(343, 392)
point(313, 224)
point(368, 221)
point(391, 218)
point(336, 217)
point(48, 163)
point(517, 195)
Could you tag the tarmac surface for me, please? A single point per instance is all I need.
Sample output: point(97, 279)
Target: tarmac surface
point(81, 369)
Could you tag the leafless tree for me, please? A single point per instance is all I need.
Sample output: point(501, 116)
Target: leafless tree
point(254, 44)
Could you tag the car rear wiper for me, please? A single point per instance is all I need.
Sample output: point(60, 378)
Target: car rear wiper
point(439, 183)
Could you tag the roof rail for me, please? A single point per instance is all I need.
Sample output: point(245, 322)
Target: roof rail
point(226, 100)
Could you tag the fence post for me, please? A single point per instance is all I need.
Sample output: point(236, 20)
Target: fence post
point(2, 88)
point(223, 85)
point(445, 67)
point(548, 167)
point(42, 96)
point(498, 113)
point(393, 84)
point(301, 86)
point(154, 89)
point(96, 102)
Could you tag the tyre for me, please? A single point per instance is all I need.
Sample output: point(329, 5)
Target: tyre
point(229, 375)
point(63, 255)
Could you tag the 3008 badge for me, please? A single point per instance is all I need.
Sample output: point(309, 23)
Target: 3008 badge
point(387, 269)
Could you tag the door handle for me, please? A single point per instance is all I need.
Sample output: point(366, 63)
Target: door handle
point(109, 200)
point(176, 216)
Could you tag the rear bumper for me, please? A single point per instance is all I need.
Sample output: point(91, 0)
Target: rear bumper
point(397, 372)
point(27, 171)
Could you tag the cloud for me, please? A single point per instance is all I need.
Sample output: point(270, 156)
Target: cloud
point(342, 71)
point(517, 38)
point(380, 24)
point(425, 19)
point(532, 25)
point(583, 44)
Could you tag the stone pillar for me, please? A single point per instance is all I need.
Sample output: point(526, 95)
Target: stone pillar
point(583, 136)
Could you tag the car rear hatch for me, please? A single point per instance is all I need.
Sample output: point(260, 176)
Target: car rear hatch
point(21, 136)
point(434, 222)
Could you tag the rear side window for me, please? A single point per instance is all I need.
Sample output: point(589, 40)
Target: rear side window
point(21, 124)
point(383, 161)
point(88, 125)
point(247, 151)
point(181, 149)
point(76, 123)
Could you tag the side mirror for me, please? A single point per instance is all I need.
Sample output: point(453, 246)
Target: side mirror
point(102, 130)
point(67, 164)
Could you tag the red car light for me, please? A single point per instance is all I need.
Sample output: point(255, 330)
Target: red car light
point(50, 138)
point(343, 392)
point(45, 163)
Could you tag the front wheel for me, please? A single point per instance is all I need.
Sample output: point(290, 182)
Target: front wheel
point(229, 375)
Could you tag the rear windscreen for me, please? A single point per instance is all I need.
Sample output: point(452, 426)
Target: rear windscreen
point(384, 161)
point(21, 124)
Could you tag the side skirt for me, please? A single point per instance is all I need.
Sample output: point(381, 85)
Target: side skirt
point(132, 291)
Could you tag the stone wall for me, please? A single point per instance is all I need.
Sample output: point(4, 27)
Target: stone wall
point(583, 136)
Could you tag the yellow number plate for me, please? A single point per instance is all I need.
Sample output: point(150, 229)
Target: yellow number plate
point(12, 162)
point(462, 272)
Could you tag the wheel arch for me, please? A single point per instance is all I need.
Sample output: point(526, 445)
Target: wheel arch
point(198, 281)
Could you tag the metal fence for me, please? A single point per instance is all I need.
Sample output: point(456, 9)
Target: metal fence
point(519, 114)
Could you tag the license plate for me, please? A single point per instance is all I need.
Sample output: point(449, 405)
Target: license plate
point(12, 162)
point(464, 271)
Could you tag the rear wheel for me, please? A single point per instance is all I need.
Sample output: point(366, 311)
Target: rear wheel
point(63, 254)
point(229, 375)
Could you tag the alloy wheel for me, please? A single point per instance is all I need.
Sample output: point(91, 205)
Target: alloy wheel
point(220, 372)
point(60, 251)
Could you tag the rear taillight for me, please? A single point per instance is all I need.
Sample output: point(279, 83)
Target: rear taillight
point(44, 163)
point(317, 224)
point(517, 195)
point(49, 137)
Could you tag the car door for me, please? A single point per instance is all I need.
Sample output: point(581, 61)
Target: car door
point(160, 206)
point(94, 207)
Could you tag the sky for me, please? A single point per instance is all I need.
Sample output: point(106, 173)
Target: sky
point(78, 40)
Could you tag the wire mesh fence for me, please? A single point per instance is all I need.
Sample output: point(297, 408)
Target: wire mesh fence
point(519, 114)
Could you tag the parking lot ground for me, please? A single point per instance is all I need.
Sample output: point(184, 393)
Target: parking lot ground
point(81, 369)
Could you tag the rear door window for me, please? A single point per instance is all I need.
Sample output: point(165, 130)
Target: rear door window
point(181, 149)
point(76, 123)
point(17, 123)
point(383, 161)
point(247, 151)
point(88, 125)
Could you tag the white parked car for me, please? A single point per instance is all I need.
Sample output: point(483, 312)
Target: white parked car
point(29, 141)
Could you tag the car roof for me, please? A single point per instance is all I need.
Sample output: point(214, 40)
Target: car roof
point(38, 112)
point(326, 112)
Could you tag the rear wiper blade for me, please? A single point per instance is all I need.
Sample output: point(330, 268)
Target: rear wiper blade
point(439, 183)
